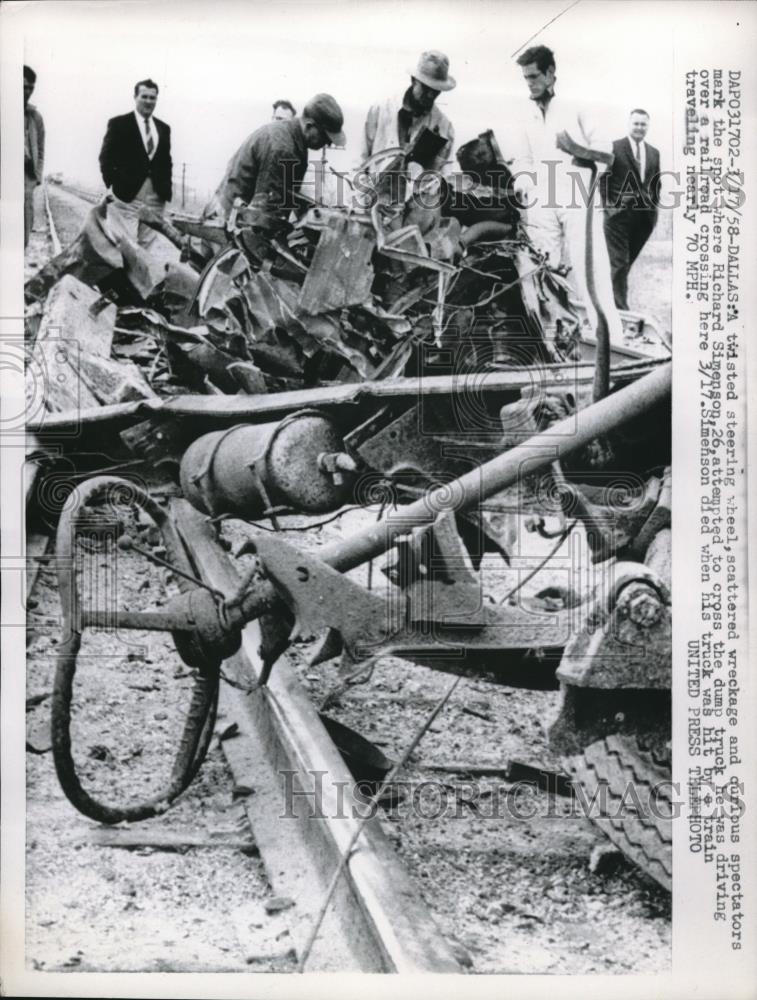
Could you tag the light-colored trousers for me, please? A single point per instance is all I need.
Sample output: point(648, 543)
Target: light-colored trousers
point(560, 233)
point(126, 214)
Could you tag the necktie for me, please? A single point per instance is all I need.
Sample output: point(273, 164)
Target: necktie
point(150, 144)
point(637, 154)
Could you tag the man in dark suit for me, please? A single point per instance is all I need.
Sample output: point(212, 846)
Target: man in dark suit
point(135, 161)
point(632, 196)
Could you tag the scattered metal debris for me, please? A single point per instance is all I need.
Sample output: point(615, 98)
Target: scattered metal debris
point(431, 368)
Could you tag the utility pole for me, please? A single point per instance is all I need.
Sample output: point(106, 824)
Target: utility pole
point(183, 185)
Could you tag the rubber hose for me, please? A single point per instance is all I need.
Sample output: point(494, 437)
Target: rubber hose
point(198, 727)
point(487, 230)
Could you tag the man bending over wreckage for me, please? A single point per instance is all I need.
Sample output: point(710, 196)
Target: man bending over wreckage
point(267, 170)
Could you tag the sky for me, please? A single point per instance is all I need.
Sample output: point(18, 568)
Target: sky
point(220, 65)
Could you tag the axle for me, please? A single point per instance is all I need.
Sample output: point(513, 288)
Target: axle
point(533, 455)
point(217, 623)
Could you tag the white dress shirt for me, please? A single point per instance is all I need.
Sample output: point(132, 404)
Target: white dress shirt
point(642, 157)
point(534, 146)
point(146, 125)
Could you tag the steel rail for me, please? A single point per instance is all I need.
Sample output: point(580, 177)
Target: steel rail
point(304, 809)
point(51, 224)
point(88, 196)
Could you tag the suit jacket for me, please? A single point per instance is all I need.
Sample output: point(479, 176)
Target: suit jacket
point(34, 143)
point(624, 186)
point(124, 163)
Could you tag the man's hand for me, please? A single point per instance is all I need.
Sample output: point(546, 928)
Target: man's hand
point(150, 217)
point(101, 208)
point(524, 186)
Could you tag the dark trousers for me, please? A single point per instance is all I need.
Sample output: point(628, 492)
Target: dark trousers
point(626, 232)
point(29, 185)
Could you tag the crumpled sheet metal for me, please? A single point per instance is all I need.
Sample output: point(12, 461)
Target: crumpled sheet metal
point(546, 296)
point(108, 239)
point(263, 311)
point(297, 332)
point(259, 316)
point(340, 273)
point(103, 246)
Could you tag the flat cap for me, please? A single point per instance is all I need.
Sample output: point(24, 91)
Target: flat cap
point(327, 115)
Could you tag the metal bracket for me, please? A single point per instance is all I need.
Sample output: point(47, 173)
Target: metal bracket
point(627, 640)
point(424, 621)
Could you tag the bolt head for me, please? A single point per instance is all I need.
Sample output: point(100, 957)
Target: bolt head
point(645, 610)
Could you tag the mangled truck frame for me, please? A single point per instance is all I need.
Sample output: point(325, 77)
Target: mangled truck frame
point(437, 366)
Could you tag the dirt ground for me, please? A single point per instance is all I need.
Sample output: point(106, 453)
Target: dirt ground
point(96, 908)
point(650, 282)
point(508, 878)
point(513, 886)
point(154, 906)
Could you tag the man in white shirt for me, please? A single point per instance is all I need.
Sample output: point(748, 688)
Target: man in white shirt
point(135, 162)
point(555, 190)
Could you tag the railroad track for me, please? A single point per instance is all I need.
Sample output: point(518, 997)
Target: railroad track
point(418, 884)
point(51, 224)
point(510, 892)
point(65, 210)
point(375, 921)
point(89, 196)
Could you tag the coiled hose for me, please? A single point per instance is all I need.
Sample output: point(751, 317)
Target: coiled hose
point(200, 720)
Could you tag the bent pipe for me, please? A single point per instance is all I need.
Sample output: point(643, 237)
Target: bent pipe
point(537, 453)
point(584, 157)
point(533, 455)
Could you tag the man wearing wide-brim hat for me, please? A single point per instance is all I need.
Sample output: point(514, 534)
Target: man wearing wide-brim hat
point(397, 121)
point(268, 168)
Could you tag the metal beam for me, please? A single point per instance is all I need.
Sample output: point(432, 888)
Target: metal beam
point(277, 404)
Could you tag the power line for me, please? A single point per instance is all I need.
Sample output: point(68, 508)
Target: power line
point(569, 7)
